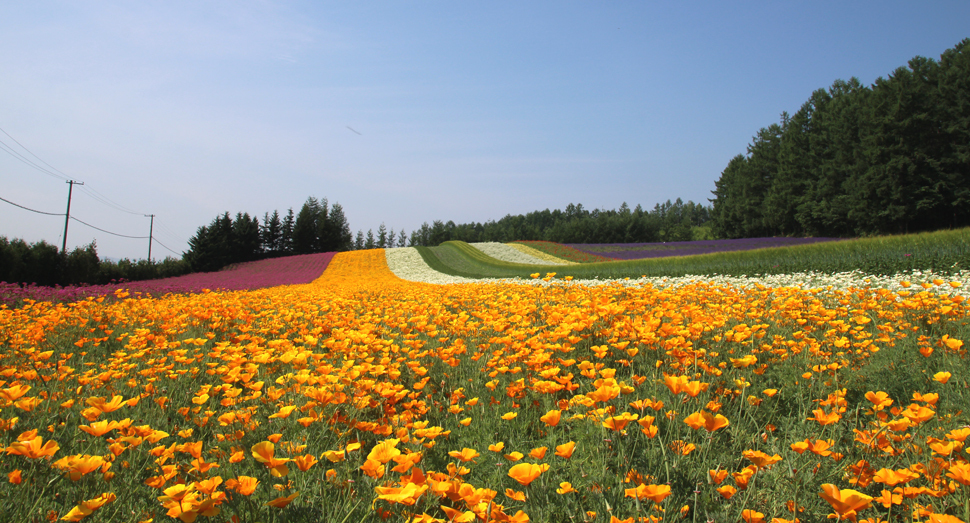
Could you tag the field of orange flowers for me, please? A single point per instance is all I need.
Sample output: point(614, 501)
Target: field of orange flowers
point(362, 397)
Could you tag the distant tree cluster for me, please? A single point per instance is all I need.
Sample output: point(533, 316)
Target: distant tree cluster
point(44, 264)
point(855, 160)
point(318, 227)
point(669, 221)
point(383, 240)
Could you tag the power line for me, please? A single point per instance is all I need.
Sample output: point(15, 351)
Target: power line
point(166, 247)
point(55, 172)
point(32, 210)
point(94, 194)
point(9, 150)
point(109, 232)
point(75, 219)
point(65, 177)
point(107, 201)
point(163, 245)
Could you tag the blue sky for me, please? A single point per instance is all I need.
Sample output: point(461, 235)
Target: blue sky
point(466, 111)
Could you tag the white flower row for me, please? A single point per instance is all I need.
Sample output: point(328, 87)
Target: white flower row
point(408, 264)
point(507, 253)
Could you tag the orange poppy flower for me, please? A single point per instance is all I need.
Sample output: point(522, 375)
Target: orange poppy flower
point(565, 488)
point(717, 476)
point(655, 493)
point(514, 456)
point(565, 450)
point(33, 448)
point(99, 428)
point(465, 454)
point(526, 473)
point(894, 477)
point(742, 478)
point(79, 465)
point(406, 495)
point(305, 462)
point(457, 516)
point(373, 468)
point(760, 459)
point(106, 406)
point(284, 412)
point(282, 501)
point(86, 508)
point(618, 423)
point(385, 451)
point(705, 419)
point(264, 453)
point(244, 485)
point(824, 418)
point(515, 494)
point(551, 418)
point(918, 414)
point(845, 502)
point(726, 491)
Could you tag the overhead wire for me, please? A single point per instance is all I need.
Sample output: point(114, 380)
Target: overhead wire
point(167, 231)
point(9, 150)
point(32, 210)
point(73, 218)
point(107, 201)
point(166, 247)
point(109, 232)
point(56, 173)
point(65, 177)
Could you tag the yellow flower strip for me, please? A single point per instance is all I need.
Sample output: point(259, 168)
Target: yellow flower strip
point(521, 247)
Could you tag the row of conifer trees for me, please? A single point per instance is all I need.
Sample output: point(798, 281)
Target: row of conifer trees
point(889, 158)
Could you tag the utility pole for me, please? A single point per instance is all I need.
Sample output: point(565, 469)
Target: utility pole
point(67, 216)
point(151, 228)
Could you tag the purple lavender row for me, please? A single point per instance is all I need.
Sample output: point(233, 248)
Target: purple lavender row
point(636, 251)
point(261, 274)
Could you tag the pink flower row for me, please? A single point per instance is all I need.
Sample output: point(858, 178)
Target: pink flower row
point(261, 274)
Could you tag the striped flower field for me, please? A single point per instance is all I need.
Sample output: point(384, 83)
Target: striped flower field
point(371, 394)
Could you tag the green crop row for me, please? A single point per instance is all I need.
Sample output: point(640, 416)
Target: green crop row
point(941, 251)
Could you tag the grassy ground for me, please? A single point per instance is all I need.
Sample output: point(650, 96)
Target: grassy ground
point(365, 398)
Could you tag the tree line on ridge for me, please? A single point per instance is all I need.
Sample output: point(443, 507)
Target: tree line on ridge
point(856, 160)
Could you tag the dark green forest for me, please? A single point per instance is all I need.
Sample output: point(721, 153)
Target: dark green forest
point(318, 227)
point(44, 264)
point(890, 158)
point(669, 221)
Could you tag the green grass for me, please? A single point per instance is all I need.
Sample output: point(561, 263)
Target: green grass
point(942, 251)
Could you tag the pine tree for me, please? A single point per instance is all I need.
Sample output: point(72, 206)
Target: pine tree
point(382, 236)
point(326, 238)
point(271, 233)
point(340, 236)
point(305, 228)
point(286, 236)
